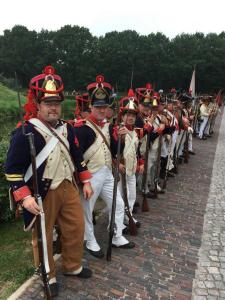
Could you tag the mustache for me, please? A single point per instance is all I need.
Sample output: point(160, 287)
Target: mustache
point(52, 112)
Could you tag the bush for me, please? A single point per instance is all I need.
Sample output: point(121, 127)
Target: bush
point(5, 213)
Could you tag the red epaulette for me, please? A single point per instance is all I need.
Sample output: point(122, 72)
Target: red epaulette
point(80, 123)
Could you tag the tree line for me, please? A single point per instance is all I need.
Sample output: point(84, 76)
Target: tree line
point(78, 57)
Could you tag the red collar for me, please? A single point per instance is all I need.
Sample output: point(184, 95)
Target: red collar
point(130, 127)
point(97, 122)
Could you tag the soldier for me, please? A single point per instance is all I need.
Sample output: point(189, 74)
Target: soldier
point(130, 161)
point(56, 155)
point(111, 113)
point(82, 109)
point(147, 115)
point(204, 117)
point(98, 141)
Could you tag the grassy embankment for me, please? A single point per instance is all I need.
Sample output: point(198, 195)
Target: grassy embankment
point(15, 250)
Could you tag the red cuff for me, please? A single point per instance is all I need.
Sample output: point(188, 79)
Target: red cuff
point(159, 130)
point(85, 175)
point(148, 127)
point(21, 193)
point(141, 161)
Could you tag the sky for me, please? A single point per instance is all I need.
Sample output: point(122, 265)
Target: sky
point(170, 17)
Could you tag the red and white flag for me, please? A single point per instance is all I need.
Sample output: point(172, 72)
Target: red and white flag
point(192, 85)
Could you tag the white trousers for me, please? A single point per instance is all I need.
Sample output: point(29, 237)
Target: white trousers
point(202, 126)
point(180, 143)
point(131, 191)
point(190, 142)
point(102, 183)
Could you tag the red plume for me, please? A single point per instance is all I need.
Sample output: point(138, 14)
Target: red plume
point(100, 78)
point(148, 86)
point(131, 93)
point(49, 70)
point(30, 107)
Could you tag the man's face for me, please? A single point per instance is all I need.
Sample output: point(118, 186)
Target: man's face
point(109, 112)
point(84, 114)
point(170, 107)
point(99, 112)
point(50, 111)
point(129, 118)
point(145, 110)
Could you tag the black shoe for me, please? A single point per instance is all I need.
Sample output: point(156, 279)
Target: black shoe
point(151, 195)
point(161, 191)
point(85, 273)
point(129, 245)
point(126, 230)
point(97, 254)
point(138, 224)
point(180, 160)
point(174, 170)
point(191, 152)
point(170, 174)
point(135, 210)
point(54, 289)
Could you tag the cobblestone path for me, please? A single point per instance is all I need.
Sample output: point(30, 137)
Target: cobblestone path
point(163, 263)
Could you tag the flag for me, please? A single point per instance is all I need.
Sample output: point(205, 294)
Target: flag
point(192, 85)
point(219, 98)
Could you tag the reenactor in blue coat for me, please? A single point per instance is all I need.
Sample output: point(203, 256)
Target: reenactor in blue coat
point(58, 155)
point(98, 142)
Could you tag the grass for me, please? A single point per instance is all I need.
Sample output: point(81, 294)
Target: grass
point(9, 105)
point(9, 101)
point(16, 258)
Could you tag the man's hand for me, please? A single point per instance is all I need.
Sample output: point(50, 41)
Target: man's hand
point(141, 169)
point(151, 119)
point(122, 169)
point(123, 130)
point(31, 205)
point(87, 190)
point(162, 126)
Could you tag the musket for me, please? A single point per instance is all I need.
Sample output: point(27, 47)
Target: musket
point(40, 218)
point(132, 225)
point(158, 161)
point(40, 222)
point(186, 153)
point(112, 226)
point(145, 206)
point(195, 120)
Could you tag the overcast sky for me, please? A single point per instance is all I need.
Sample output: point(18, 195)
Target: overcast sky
point(170, 17)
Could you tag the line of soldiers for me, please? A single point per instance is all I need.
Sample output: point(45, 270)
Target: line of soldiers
point(155, 131)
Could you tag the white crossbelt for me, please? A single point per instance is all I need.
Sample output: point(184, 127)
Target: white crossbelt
point(43, 155)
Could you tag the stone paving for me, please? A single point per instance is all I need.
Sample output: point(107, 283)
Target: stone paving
point(163, 263)
point(210, 275)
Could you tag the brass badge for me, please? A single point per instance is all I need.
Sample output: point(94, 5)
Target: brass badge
point(100, 94)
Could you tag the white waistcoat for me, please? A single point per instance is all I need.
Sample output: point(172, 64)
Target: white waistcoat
point(59, 165)
point(98, 154)
point(130, 152)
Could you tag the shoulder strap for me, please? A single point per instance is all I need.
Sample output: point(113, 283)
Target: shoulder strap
point(55, 134)
point(100, 132)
